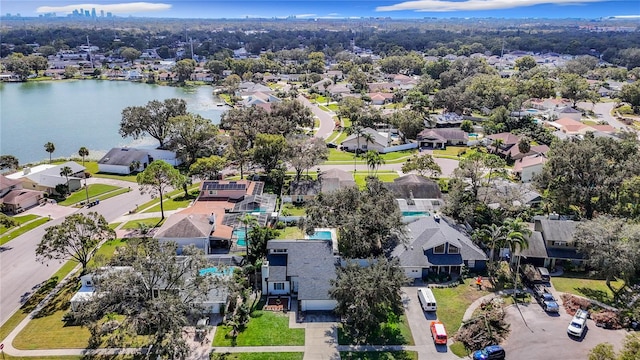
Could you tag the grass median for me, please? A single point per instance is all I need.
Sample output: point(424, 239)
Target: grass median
point(93, 191)
point(10, 235)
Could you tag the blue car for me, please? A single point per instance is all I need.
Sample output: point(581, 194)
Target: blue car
point(492, 352)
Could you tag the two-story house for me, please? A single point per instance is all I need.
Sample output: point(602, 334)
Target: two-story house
point(435, 246)
point(302, 269)
point(551, 242)
point(14, 199)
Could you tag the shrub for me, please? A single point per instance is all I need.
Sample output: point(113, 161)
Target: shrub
point(280, 225)
point(625, 109)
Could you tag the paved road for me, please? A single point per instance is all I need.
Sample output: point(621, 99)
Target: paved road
point(541, 336)
point(326, 121)
point(603, 111)
point(20, 273)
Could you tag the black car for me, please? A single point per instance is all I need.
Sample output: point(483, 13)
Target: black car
point(332, 145)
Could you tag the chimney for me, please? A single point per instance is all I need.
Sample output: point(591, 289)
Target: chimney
point(436, 217)
point(26, 170)
point(212, 218)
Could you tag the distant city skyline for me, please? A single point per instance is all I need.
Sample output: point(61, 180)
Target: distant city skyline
point(304, 9)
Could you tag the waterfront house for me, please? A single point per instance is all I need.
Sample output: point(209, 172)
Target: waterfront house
point(46, 177)
point(14, 199)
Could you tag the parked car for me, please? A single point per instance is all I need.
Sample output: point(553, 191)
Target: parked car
point(546, 299)
point(491, 352)
point(578, 323)
point(438, 333)
point(332, 145)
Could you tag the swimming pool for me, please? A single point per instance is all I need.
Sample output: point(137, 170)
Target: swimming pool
point(241, 236)
point(215, 271)
point(473, 134)
point(320, 235)
point(415, 213)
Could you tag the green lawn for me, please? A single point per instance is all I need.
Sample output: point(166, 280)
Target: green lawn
point(581, 284)
point(333, 107)
point(166, 196)
point(453, 302)
point(174, 203)
point(260, 356)
point(361, 177)
point(265, 328)
point(21, 230)
point(133, 224)
point(395, 332)
point(20, 219)
point(295, 210)
point(130, 178)
point(81, 195)
point(105, 252)
point(336, 155)
point(291, 232)
point(379, 355)
point(31, 303)
point(452, 152)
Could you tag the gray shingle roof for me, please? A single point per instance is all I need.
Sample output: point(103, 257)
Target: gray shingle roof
point(312, 261)
point(414, 186)
point(537, 247)
point(376, 137)
point(277, 273)
point(124, 156)
point(556, 230)
point(426, 233)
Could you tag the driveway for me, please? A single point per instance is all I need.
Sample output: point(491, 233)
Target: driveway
point(419, 324)
point(541, 336)
point(603, 112)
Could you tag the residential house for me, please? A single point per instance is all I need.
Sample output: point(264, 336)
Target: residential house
point(527, 167)
point(377, 142)
point(416, 195)
point(404, 82)
point(128, 160)
point(551, 242)
point(379, 98)
point(258, 98)
point(435, 246)
point(212, 221)
point(47, 176)
point(14, 199)
point(248, 87)
point(505, 142)
point(570, 126)
point(446, 120)
point(504, 194)
point(302, 269)
point(382, 87)
point(439, 138)
point(327, 181)
point(567, 112)
point(339, 89)
point(515, 154)
point(335, 74)
point(124, 161)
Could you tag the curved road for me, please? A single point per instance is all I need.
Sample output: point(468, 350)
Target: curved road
point(326, 120)
point(21, 274)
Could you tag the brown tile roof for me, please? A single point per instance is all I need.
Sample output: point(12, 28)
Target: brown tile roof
point(507, 138)
point(528, 161)
point(208, 208)
point(5, 182)
point(16, 197)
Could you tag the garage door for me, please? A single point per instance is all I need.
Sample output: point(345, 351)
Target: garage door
point(310, 305)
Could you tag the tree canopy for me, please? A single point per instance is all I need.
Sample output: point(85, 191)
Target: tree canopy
point(158, 177)
point(369, 221)
point(151, 119)
point(75, 238)
point(192, 136)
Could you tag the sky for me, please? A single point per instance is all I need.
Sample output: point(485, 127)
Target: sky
point(334, 9)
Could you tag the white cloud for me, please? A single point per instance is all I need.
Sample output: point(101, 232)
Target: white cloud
point(122, 8)
point(626, 17)
point(305, 15)
point(471, 5)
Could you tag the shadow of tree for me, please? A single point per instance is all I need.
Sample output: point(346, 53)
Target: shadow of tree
point(598, 295)
point(30, 300)
point(61, 300)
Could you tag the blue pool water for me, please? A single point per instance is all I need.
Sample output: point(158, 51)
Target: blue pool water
point(241, 236)
point(473, 134)
point(215, 271)
point(415, 213)
point(320, 235)
point(533, 111)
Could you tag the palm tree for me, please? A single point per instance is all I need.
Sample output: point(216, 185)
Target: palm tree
point(491, 235)
point(496, 144)
point(249, 221)
point(517, 235)
point(524, 145)
point(134, 166)
point(83, 152)
point(66, 171)
point(374, 160)
point(50, 148)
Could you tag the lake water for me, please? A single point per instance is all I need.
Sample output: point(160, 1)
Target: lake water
point(87, 113)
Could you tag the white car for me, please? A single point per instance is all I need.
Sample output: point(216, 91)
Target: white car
point(578, 323)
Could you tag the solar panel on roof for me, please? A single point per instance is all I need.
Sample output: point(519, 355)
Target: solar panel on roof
point(214, 185)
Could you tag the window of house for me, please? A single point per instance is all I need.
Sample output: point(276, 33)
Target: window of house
point(278, 250)
point(454, 249)
point(471, 264)
point(278, 286)
point(414, 270)
point(439, 249)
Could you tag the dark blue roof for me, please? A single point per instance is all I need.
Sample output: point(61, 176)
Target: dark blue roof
point(444, 259)
point(277, 260)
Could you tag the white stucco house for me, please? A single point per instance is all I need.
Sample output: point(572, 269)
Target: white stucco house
point(527, 167)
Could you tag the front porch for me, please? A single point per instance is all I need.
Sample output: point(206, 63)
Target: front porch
point(278, 303)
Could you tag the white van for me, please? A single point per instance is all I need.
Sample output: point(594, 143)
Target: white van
point(427, 300)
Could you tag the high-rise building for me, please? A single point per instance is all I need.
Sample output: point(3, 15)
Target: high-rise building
point(93, 12)
point(101, 13)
